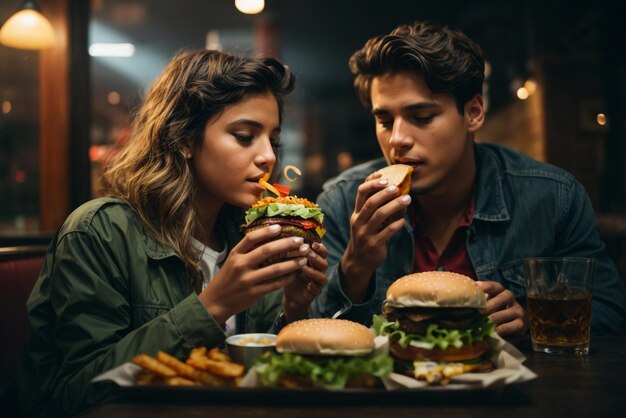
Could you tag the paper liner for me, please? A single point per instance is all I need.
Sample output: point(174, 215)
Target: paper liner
point(508, 360)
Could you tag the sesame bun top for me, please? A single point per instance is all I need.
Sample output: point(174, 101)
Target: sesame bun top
point(435, 289)
point(324, 336)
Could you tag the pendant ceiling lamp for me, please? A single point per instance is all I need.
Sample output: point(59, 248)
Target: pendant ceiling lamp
point(27, 29)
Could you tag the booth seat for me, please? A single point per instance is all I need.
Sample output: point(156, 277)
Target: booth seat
point(19, 269)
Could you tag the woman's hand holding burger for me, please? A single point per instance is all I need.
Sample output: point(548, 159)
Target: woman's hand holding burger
point(297, 217)
point(378, 215)
point(310, 281)
point(246, 275)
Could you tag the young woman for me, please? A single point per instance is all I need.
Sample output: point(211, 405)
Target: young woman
point(161, 263)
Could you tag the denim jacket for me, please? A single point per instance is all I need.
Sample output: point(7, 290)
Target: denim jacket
point(523, 208)
point(108, 291)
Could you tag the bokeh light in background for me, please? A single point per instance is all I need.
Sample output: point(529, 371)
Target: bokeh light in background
point(114, 98)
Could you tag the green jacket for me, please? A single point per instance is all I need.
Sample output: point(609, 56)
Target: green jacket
point(108, 291)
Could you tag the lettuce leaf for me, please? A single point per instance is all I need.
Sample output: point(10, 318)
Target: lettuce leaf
point(329, 372)
point(284, 209)
point(435, 337)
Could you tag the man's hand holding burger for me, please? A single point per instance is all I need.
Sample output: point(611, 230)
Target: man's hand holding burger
point(381, 203)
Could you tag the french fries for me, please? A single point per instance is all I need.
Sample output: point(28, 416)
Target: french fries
point(289, 168)
point(153, 365)
point(220, 368)
point(217, 355)
point(263, 182)
point(202, 367)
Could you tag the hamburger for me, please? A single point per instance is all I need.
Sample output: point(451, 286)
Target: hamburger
point(297, 216)
point(398, 175)
point(434, 317)
point(328, 353)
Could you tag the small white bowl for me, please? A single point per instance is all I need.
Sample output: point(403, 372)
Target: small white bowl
point(244, 348)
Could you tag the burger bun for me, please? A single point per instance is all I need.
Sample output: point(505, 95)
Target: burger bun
point(435, 289)
point(325, 336)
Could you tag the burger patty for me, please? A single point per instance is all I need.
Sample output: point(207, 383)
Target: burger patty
point(291, 226)
point(283, 220)
point(451, 354)
point(417, 320)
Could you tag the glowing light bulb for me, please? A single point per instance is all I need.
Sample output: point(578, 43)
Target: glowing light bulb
point(522, 93)
point(250, 7)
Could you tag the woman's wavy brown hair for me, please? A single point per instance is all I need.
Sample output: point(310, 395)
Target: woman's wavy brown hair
point(151, 171)
point(449, 62)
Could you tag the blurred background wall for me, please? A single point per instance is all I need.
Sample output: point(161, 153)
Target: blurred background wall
point(555, 88)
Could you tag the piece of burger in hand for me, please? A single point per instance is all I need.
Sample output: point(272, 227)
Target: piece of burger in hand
point(435, 326)
point(323, 352)
point(398, 175)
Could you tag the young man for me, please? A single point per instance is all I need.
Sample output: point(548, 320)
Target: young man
point(475, 209)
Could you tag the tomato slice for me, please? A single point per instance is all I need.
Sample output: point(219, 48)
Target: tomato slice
point(282, 189)
point(307, 224)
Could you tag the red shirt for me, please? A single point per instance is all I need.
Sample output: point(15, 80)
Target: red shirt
point(454, 257)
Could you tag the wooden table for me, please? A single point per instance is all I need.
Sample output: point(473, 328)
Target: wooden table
point(567, 386)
